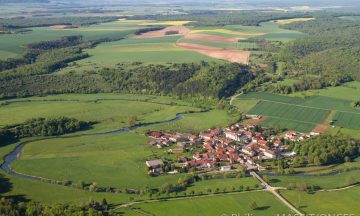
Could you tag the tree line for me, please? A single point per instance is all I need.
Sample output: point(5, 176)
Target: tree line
point(91, 208)
point(27, 22)
point(42, 127)
point(222, 18)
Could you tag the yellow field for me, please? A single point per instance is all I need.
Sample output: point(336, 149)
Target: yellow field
point(170, 23)
point(226, 31)
point(98, 29)
point(288, 21)
point(123, 20)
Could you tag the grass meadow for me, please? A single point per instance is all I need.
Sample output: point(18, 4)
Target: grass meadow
point(112, 160)
point(334, 202)
point(330, 181)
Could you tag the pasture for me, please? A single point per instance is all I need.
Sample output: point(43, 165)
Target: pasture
point(237, 204)
point(330, 181)
point(112, 160)
point(25, 190)
point(334, 202)
point(302, 113)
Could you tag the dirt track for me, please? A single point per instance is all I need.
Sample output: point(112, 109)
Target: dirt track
point(230, 55)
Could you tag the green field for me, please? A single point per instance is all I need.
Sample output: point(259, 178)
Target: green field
point(324, 182)
point(300, 113)
point(334, 202)
point(228, 184)
point(197, 122)
point(226, 45)
point(157, 51)
point(25, 190)
point(218, 205)
point(113, 160)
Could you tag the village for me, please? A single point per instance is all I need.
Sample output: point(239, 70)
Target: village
point(221, 150)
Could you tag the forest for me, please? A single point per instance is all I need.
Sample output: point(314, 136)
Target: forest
point(183, 80)
point(329, 56)
point(327, 149)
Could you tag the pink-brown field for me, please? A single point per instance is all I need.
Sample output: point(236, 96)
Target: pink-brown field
point(235, 56)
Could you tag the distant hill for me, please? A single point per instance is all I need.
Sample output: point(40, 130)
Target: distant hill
point(24, 1)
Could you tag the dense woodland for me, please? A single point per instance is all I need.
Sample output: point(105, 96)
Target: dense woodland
point(182, 80)
point(221, 18)
point(326, 149)
point(329, 56)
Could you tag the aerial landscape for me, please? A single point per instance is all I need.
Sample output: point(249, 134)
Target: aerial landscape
point(169, 107)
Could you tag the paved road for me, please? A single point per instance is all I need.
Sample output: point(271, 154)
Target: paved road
point(274, 191)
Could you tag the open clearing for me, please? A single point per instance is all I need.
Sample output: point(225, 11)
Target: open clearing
point(267, 204)
point(334, 202)
point(235, 56)
point(302, 114)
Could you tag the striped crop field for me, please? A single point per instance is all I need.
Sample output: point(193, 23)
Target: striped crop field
point(301, 113)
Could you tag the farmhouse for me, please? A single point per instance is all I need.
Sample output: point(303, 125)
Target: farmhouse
point(155, 166)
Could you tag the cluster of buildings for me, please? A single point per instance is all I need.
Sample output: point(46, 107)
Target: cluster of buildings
point(236, 144)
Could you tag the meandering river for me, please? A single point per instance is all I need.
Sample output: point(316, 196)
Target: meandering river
point(14, 155)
